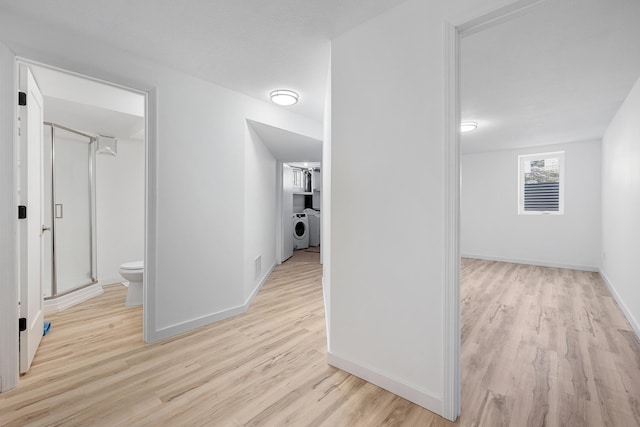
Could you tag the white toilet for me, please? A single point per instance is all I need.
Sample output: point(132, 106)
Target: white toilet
point(133, 272)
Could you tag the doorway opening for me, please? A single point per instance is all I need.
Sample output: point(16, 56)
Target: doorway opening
point(301, 201)
point(82, 174)
point(540, 91)
point(298, 190)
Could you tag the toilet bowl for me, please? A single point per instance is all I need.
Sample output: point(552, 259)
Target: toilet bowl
point(133, 272)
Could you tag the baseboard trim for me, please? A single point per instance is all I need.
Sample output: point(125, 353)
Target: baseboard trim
point(63, 302)
point(327, 312)
point(190, 325)
point(262, 281)
point(412, 393)
point(532, 262)
point(632, 320)
point(199, 322)
point(111, 281)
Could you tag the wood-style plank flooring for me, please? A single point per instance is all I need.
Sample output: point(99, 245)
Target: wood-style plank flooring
point(540, 346)
point(266, 367)
point(545, 347)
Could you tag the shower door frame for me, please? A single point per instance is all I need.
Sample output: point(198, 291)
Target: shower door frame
point(92, 210)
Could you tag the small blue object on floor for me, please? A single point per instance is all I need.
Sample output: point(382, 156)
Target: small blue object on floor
point(47, 326)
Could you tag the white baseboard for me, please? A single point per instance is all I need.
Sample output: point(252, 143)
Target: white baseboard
point(532, 262)
point(412, 393)
point(625, 310)
point(190, 325)
point(63, 302)
point(327, 313)
point(208, 319)
point(112, 281)
point(262, 281)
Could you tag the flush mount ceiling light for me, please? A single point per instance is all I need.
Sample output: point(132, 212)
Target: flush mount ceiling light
point(468, 126)
point(284, 97)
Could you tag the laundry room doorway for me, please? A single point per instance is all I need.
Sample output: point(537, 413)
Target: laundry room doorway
point(298, 191)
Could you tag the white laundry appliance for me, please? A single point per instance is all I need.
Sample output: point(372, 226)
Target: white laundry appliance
point(314, 226)
point(300, 231)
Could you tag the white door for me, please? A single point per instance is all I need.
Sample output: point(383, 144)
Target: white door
point(30, 194)
point(287, 212)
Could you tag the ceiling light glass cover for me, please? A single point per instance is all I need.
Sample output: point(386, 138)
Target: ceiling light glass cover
point(468, 126)
point(284, 97)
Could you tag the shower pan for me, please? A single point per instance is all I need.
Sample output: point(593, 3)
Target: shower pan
point(69, 208)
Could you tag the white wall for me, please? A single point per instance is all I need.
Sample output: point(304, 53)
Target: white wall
point(387, 237)
point(119, 209)
point(8, 223)
point(195, 246)
point(260, 212)
point(492, 229)
point(298, 203)
point(621, 206)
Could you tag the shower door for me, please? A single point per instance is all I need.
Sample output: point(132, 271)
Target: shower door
point(73, 211)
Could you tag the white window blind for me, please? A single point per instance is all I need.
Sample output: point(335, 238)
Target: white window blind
point(541, 183)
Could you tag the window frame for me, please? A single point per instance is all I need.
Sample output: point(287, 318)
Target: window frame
point(541, 156)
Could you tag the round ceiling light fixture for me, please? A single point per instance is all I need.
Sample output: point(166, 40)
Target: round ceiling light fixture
point(468, 126)
point(284, 97)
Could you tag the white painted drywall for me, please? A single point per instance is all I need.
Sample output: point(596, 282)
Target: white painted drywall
point(621, 206)
point(9, 274)
point(387, 227)
point(119, 209)
point(298, 203)
point(196, 250)
point(259, 211)
point(491, 228)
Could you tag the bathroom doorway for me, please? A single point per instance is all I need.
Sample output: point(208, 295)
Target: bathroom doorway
point(92, 195)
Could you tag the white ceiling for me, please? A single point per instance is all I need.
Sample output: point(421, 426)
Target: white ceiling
point(288, 146)
point(556, 73)
point(93, 120)
point(251, 46)
point(88, 106)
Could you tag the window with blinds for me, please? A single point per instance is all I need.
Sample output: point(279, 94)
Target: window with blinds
point(541, 183)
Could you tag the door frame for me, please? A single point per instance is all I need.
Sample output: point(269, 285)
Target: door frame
point(279, 225)
point(453, 32)
point(9, 365)
point(9, 261)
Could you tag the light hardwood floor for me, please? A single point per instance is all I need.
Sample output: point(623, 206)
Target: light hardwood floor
point(540, 347)
point(266, 367)
point(545, 347)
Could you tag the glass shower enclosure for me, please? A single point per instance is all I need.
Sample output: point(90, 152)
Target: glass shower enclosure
point(69, 191)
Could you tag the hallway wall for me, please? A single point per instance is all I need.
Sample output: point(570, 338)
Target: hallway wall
point(388, 272)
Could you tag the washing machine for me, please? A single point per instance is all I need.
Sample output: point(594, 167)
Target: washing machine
point(300, 231)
